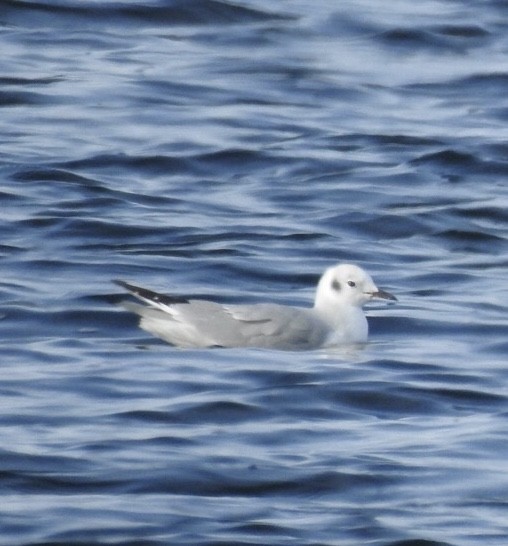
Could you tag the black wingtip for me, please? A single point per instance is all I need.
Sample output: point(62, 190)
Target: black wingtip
point(126, 285)
point(149, 295)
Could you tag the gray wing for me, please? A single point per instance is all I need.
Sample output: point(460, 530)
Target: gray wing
point(199, 323)
point(263, 325)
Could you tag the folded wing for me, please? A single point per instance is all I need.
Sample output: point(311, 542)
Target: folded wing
point(200, 323)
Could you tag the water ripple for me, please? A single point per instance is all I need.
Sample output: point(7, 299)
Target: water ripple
point(229, 151)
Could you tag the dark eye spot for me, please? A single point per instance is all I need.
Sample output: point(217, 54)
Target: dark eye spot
point(336, 285)
point(352, 284)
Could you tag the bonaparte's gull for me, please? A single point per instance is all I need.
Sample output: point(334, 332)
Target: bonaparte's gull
point(336, 317)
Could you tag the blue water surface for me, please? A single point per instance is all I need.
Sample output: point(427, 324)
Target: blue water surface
point(233, 151)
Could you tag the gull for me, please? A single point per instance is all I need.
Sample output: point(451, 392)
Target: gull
point(337, 317)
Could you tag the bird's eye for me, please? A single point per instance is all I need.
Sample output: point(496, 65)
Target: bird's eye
point(336, 285)
point(352, 284)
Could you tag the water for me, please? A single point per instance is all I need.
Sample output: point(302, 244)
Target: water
point(234, 151)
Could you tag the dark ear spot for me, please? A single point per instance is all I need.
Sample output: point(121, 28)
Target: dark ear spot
point(336, 285)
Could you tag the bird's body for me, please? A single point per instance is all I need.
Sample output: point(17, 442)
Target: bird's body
point(336, 318)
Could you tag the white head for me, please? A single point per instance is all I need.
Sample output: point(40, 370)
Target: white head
point(346, 285)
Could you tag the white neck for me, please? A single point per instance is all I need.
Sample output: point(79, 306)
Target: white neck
point(348, 323)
